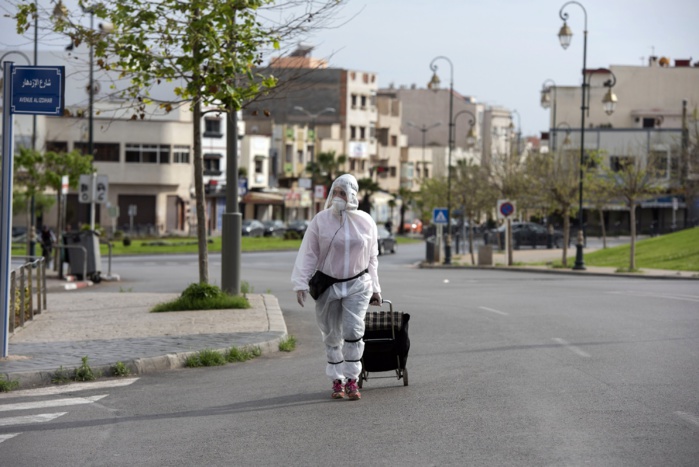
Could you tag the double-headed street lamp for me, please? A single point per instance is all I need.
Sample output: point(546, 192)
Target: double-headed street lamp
point(565, 35)
point(424, 129)
point(546, 102)
point(434, 84)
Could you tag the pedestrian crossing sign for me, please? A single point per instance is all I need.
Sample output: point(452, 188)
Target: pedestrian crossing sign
point(440, 216)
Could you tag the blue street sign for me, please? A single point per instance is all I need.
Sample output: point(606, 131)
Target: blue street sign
point(440, 216)
point(38, 90)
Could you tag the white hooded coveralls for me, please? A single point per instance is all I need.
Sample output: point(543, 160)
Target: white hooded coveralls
point(341, 244)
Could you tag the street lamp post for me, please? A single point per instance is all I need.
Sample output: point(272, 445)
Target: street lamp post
point(546, 102)
point(424, 129)
point(565, 35)
point(519, 131)
point(434, 84)
point(470, 140)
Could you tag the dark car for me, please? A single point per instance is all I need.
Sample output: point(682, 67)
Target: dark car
point(298, 226)
point(253, 228)
point(387, 242)
point(529, 234)
point(274, 228)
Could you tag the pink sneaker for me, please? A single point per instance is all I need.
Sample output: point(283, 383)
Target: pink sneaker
point(352, 390)
point(338, 390)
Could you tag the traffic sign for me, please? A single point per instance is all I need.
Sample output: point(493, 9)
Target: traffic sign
point(87, 193)
point(440, 216)
point(506, 208)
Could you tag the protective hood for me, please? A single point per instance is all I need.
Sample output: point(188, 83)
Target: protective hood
point(349, 184)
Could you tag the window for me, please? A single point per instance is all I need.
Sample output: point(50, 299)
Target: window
point(362, 132)
point(212, 128)
point(354, 101)
point(363, 100)
point(299, 155)
point(353, 165)
point(180, 155)
point(147, 153)
point(617, 163)
point(212, 163)
point(392, 171)
point(259, 161)
point(648, 123)
point(353, 132)
point(103, 152)
point(394, 140)
point(57, 146)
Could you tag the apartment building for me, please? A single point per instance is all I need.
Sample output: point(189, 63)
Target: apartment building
point(646, 123)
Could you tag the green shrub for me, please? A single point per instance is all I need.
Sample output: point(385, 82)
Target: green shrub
point(61, 376)
point(202, 291)
point(126, 241)
point(118, 234)
point(291, 235)
point(119, 369)
point(288, 344)
point(84, 372)
point(7, 385)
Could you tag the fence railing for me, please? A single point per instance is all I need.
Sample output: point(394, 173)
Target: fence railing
point(27, 282)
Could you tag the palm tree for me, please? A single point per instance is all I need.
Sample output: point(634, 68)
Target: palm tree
point(369, 187)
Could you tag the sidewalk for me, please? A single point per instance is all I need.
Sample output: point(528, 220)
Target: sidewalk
point(523, 261)
point(110, 327)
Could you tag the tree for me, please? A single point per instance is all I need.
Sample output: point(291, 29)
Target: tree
point(634, 180)
point(598, 190)
point(473, 193)
point(208, 48)
point(553, 181)
point(407, 197)
point(35, 172)
point(369, 187)
point(325, 168)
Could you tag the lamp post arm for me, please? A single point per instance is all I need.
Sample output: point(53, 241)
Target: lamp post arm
point(564, 15)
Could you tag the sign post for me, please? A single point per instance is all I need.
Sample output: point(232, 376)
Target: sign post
point(506, 210)
point(28, 90)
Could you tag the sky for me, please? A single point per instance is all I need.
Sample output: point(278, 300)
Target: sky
point(502, 51)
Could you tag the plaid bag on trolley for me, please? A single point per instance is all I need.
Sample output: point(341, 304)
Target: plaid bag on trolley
point(381, 345)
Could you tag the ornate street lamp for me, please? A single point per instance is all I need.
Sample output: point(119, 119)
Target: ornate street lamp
point(564, 36)
point(434, 84)
point(566, 140)
point(471, 136)
point(424, 129)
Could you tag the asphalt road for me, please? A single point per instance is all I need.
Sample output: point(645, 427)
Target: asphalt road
point(505, 369)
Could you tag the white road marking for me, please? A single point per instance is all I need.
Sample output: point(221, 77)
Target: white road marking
point(40, 418)
point(8, 436)
point(494, 311)
point(572, 348)
point(53, 403)
point(68, 388)
point(684, 297)
point(688, 417)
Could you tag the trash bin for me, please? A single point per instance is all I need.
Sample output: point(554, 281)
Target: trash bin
point(430, 249)
point(485, 255)
point(89, 239)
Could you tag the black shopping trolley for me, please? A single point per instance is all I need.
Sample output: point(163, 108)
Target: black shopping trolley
point(386, 344)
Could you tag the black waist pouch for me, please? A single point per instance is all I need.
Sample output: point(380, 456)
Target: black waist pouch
point(320, 282)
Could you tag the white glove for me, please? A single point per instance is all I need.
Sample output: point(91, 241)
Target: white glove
point(301, 296)
point(376, 299)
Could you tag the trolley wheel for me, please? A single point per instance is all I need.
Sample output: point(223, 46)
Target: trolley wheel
point(360, 380)
point(405, 376)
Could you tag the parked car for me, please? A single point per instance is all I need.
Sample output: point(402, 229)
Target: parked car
point(274, 228)
point(253, 228)
point(387, 242)
point(298, 226)
point(528, 234)
point(414, 226)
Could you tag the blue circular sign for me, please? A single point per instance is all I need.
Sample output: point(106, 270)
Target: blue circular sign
point(506, 209)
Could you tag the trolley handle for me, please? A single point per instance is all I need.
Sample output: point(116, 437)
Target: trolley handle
point(393, 323)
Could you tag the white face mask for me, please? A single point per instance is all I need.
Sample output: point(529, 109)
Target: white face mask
point(339, 204)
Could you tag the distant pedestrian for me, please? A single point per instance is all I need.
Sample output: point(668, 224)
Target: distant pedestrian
point(48, 242)
point(389, 226)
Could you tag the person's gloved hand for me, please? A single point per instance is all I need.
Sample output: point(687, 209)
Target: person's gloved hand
point(301, 296)
point(376, 299)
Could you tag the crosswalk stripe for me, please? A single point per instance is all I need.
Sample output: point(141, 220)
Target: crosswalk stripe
point(40, 418)
point(53, 403)
point(8, 436)
point(68, 388)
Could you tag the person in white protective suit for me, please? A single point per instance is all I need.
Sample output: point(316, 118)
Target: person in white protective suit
point(342, 242)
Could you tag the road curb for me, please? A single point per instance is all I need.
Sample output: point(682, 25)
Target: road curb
point(424, 265)
point(172, 361)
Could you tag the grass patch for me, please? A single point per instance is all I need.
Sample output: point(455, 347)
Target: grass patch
point(150, 246)
point(84, 372)
point(203, 297)
point(61, 376)
point(120, 370)
point(206, 357)
point(244, 354)
point(288, 344)
point(677, 251)
point(7, 384)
